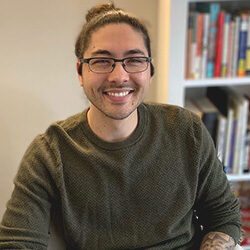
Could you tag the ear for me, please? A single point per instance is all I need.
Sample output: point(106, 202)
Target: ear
point(79, 68)
point(79, 71)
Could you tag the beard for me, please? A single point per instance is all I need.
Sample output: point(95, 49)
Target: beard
point(116, 116)
point(115, 111)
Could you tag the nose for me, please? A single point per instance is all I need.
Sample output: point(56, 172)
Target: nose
point(118, 74)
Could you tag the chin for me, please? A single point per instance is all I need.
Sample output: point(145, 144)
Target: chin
point(118, 116)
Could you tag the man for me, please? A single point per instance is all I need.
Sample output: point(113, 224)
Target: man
point(122, 174)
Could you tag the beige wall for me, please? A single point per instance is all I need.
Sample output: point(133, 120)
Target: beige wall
point(38, 81)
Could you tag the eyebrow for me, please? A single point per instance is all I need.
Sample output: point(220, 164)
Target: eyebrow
point(134, 51)
point(101, 52)
point(108, 53)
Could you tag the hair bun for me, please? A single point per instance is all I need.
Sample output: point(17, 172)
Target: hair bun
point(100, 9)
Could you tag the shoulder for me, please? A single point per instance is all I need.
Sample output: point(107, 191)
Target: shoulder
point(178, 124)
point(69, 127)
point(172, 115)
point(69, 124)
point(59, 131)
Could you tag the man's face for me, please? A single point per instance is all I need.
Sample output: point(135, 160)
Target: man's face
point(116, 94)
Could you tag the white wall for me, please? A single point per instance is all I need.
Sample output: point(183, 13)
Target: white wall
point(38, 81)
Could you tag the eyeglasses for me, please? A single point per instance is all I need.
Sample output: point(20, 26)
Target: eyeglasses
point(102, 65)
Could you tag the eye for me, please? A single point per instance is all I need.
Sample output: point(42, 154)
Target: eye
point(101, 61)
point(135, 60)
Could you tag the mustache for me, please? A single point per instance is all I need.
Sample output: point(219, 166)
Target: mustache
point(118, 86)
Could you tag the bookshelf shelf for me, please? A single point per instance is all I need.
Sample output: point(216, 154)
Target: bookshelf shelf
point(217, 82)
point(241, 177)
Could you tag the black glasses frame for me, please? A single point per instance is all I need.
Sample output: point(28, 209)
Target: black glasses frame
point(87, 60)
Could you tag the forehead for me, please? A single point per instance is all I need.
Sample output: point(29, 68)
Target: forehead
point(116, 39)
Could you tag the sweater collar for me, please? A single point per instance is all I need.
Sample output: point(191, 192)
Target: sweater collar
point(132, 139)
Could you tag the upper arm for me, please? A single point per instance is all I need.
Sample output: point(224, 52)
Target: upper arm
point(26, 221)
point(218, 209)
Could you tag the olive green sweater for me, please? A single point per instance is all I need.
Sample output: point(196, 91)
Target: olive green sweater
point(136, 194)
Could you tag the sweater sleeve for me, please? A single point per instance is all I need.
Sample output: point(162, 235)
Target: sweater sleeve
point(25, 224)
point(218, 209)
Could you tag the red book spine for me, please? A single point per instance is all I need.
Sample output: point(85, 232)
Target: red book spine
point(219, 44)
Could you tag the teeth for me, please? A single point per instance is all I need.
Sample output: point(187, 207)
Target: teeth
point(118, 94)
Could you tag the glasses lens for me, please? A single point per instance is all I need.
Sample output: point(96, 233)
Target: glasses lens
point(136, 64)
point(101, 65)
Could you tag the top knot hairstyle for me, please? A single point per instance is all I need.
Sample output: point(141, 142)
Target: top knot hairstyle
point(103, 14)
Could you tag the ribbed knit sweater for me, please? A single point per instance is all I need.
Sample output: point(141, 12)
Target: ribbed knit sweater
point(139, 193)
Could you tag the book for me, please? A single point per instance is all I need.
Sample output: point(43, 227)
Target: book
point(219, 96)
point(193, 46)
point(245, 217)
point(230, 48)
point(240, 106)
point(236, 47)
point(209, 115)
point(198, 55)
point(247, 155)
point(219, 44)
point(214, 9)
point(221, 136)
point(228, 141)
point(248, 48)
point(189, 104)
point(231, 168)
point(242, 45)
point(245, 119)
point(224, 63)
point(244, 199)
point(205, 45)
point(189, 42)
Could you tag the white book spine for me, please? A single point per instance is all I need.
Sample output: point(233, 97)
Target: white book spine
point(236, 47)
point(220, 137)
point(205, 45)
point(238, 138)
point(230, 48)
point(247, 152)
point(245, 106)
point(225, 45)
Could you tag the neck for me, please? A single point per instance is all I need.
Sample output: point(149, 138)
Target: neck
point(109, 129)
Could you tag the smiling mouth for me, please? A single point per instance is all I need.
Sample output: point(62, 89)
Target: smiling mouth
point(118, 93)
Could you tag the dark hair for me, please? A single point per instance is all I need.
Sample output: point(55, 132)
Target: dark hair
point(103, 14)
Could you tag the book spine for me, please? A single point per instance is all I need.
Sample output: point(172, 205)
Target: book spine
point(242, 46)
point(248, 48)
point(248, 152)
point(236, 47)
point(189, 42)
point(238, 138)
point(245, 105)
point(205, 45)
point(198, 59)
point(193, 47)
point(214, 12)
point(228, 141)
point(230, 48)
point(219, 44)
point(225, 45)
point(232, 145)
point(220, 137)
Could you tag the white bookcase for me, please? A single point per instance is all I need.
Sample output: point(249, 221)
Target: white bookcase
point(178, 87)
